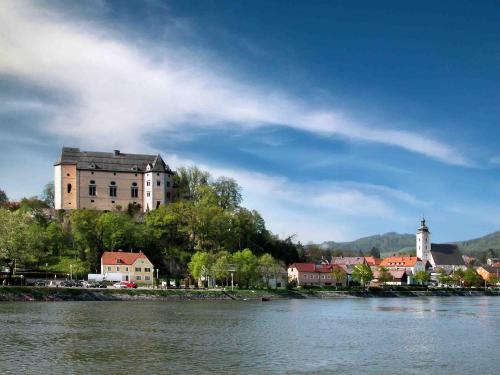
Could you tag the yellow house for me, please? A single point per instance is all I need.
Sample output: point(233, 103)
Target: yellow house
point(133, 266)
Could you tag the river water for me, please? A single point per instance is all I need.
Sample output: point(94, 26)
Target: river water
point(435, 335)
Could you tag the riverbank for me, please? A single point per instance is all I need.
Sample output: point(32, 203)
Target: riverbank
point(79, 294)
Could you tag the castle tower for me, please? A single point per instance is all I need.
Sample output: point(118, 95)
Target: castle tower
point(423, 242)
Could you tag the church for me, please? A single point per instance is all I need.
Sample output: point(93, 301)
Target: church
point(446, 256)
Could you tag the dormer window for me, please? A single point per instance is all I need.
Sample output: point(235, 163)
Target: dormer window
point(93, 166)
point(148, 168)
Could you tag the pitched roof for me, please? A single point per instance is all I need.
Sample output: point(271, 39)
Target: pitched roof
point(372, 261)
point(489, 269)
point(112, 161)
point(311, 267)
point(396, 274)
point(399, 261)
point(348, 260)
point(120, 257)
point(445, 254)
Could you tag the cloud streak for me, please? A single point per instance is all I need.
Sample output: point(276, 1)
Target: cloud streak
point(120, 94)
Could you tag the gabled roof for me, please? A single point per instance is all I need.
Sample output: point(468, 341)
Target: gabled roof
point(399, 261)
point(372, 261)
point(111, 161)
point(445, 254)
point(396, 274)
point(120, 257)
point(348, 260)
point(312, 267)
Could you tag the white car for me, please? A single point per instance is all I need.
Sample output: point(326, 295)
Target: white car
point(120, 285)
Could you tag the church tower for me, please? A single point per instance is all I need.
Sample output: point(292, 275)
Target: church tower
point(423, 242)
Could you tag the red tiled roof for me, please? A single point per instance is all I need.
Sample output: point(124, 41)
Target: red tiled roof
point(120, 257)
point(372, 261)
point(311, 267)
point(399, 261)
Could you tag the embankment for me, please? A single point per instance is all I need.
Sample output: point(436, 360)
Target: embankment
point(14, 293)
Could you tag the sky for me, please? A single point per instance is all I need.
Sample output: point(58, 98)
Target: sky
point(339, 119)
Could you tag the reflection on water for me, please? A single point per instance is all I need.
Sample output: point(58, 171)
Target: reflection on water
point(352, 336)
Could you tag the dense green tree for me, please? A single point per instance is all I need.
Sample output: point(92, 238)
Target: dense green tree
point(55, 238)
point(22, 239)
point(443, 277)
point(189, 181)
point(338, 275)
point(115, 230)
point(422, 277)
point(457, 277)
point(384, 275)
point(228, 193)
point(246, 266)
point(362, 273)
point(268, 268)
point(472, 278)
point(201, 264)
point(375, 252)
point(223, 266)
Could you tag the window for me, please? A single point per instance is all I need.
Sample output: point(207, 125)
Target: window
point(158, 183)
point(157, 174)
point(112, 201)
point(134, 191)
point(117, 268)
point(147, 269)
point(67, 174)
point(148, 183)
point(92, 188)
point(91, 201)
point(69, 188)
point(168, 183)
point(126, 268)
point(158, 204)
point(138, 277)
point(112, 189)
point(114, 173)
point(137, 269)
point(168, 194)
point(109, 268)
point(148, 194)
point(91, 172)
point(147, 278)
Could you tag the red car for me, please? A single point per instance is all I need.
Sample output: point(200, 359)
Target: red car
point(125, 284)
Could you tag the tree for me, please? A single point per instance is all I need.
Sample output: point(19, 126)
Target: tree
point(362, 273)
point(384, 275)
point(375, 252)
point(422, 277)
point(115, 230)
point(443, 277)
point(85, 235)
point(189, 180)
point(246, 267)
point(471, 277)
point(4, 200)
point(200, 265)
point(268, 268)
point(55, 238)
point(228, 193)
point(457, 277)
point(338, 275)
point(48, 194)
point(22, 240)
point(222, 265)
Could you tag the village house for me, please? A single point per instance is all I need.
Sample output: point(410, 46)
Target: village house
point(399, 277)
point(310, 274)
point(372, 261)
point(348, 264)
point(109, 180)
point(488, 272)
point(134, 267)
point(411, 265)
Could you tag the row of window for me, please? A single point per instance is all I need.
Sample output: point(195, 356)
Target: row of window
point(146, 278)
point(137, 269)
point(134, 190)
point(312, 276)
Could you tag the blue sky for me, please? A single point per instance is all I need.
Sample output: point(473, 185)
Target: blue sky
point(339, 119)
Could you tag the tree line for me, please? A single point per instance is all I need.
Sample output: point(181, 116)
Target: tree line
point(205, 217)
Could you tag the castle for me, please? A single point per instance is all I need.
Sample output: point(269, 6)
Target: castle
point(110, 180)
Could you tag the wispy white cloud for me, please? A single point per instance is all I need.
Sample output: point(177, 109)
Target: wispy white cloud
point(119, 94)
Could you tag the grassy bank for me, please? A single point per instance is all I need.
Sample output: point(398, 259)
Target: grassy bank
point(17, 293)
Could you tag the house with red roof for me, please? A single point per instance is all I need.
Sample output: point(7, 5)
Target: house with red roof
point(410, 264)
point(311, 274)
point(134, 267)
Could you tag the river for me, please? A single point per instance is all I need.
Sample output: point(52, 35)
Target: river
point(435, 335)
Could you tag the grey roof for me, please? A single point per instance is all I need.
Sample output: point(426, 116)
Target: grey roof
point(112, 161)
point(348, 260)
point(444, 254)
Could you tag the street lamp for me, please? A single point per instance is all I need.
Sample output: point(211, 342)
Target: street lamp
point(157, 278)
point(71, 272)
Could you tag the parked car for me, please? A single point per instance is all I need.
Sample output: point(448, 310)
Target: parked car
point(125, 284)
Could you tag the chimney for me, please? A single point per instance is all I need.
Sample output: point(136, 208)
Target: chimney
point(117, 152)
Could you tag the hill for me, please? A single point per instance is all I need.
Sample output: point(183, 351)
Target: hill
point(389, 243)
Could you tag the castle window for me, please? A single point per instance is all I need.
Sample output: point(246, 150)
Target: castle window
point(158, 204)
point(157, 183)
point(69, 188)
point(92, 188)
point(91, 201)
point(148, 194)
point(134, 191)
point(114, 173)
point(67, 174)
point(112, 189)
point(112, 201)
point(157, 174)
point(168, 194)
point(134, 183)
point(148, 183)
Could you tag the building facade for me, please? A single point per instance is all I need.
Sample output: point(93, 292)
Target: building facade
point(109, 180)
point(134, 267)
point(310, 274)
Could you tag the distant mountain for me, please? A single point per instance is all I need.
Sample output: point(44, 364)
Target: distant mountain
point(395, 242)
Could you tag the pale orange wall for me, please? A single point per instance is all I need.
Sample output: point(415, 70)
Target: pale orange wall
point(69, 176)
